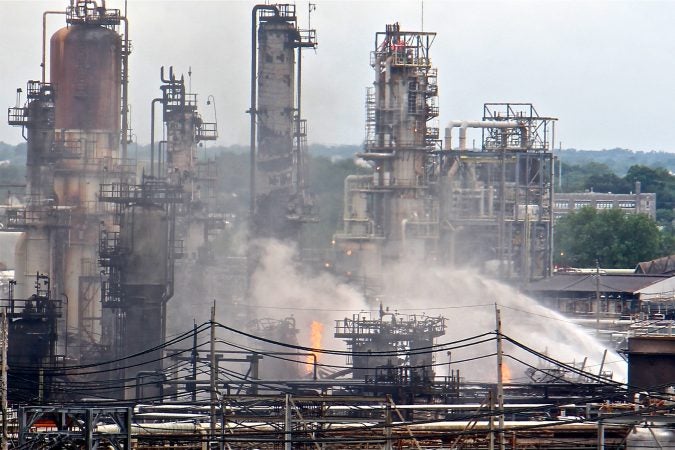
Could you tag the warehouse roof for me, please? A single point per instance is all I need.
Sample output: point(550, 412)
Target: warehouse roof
point(586, 282)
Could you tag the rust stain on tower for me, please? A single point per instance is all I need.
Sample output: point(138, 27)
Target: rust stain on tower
point(281, 200)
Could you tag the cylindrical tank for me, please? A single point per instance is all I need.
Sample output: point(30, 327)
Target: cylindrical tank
point(143, 235)
point(32, 255)
point(144, 239)
point(86, 73)
point(39, 142)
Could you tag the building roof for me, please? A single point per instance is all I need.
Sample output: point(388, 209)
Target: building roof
point(665, 265)
point(586, 282)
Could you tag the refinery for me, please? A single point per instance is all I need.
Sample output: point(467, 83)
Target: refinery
point(433, 319)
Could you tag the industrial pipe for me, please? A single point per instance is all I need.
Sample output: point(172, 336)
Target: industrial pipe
point(152, 132)
point(464, 124)
point(125, 88)
point(44, 39)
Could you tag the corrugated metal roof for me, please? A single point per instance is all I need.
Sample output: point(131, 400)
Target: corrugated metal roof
point(659, 266)
point(585, 282)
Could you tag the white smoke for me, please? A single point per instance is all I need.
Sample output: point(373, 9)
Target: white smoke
point(360, 162)
point(281, 289)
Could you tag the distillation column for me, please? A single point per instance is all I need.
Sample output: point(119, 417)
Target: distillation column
point(281, 202)
point(393, 215)
point(74, 136)
point(86, 71)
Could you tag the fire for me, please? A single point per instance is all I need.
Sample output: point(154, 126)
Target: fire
point(506, 374)
point(315, 342)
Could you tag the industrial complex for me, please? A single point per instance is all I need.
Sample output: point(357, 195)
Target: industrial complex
point(114, 260)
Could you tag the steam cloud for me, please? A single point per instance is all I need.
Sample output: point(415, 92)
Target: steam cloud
point(280, 289)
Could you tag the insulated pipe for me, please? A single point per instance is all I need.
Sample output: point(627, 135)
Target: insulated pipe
point(152, 133)
point(44, 40)
point(125, 88)
point(464, 124)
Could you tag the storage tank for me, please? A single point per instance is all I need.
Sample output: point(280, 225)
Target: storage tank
point(143, 234)
point(144, 241)
point(32, 255)
point(85, 69)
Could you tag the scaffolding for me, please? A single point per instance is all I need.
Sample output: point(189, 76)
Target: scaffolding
point(497, 204)
point(376, 341)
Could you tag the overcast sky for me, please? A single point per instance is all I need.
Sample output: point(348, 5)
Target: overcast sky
point(604, 68)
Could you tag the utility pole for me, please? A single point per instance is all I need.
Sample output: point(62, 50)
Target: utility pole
point(4, 337)
point(597, 298)
point(500, 385)
point(214, 397)
point(288, 443)
point(195, 357)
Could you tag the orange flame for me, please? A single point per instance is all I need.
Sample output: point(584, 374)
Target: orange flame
point(506, 374)
point(315, 342)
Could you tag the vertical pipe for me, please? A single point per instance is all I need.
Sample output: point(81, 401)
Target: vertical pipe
point(125, 90)
point(43, 64)
point(502, 211)
point(551, 205)
point(298, 140)
point(252, 112)
point(152, 135)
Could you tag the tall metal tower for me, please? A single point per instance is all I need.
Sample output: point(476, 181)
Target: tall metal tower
point(280, 202)
point(76, 128)
point(392, 214)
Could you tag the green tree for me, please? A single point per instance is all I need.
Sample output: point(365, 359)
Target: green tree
point(614, 238)
point(575, 177)
point(326, 181)
point(659, 181)
point(608, 182)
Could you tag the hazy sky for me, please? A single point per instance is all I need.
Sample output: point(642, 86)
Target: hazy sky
point(604, 68)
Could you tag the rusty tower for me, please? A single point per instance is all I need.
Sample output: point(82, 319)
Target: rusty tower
point(280, 202)
point(76, 128)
